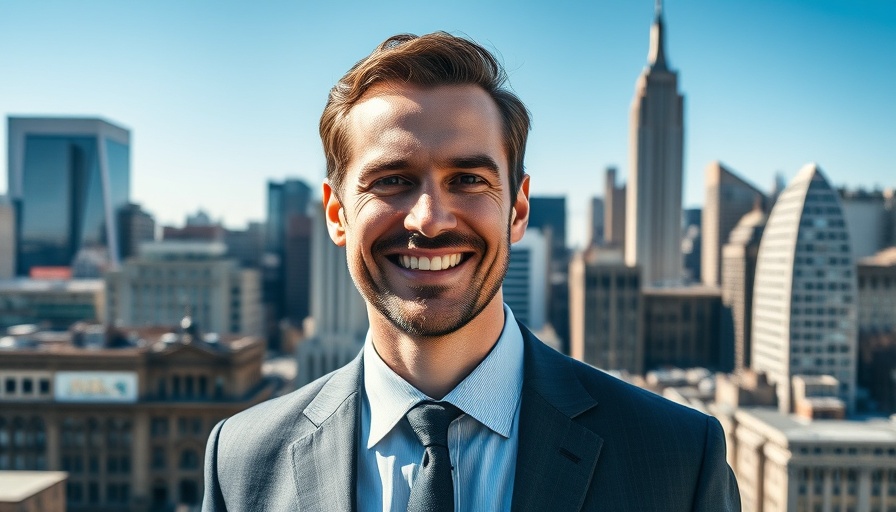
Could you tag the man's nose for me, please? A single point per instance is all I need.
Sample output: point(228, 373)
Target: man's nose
point(430, 215)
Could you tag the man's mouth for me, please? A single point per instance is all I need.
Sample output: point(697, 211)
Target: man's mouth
point(430, 263)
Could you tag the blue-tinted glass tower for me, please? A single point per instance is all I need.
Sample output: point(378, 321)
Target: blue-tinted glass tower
point(69, 176)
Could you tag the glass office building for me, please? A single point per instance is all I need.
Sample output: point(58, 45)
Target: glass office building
point(70, 176)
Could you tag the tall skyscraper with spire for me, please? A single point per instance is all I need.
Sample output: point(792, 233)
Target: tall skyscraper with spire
point(653, 217)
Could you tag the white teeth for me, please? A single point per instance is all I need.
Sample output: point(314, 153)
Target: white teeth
point(434, 263)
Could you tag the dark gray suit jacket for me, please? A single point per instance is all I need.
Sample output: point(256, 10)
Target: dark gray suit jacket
point(588, 441)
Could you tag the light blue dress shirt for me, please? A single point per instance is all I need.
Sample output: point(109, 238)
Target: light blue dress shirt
point(482, 442)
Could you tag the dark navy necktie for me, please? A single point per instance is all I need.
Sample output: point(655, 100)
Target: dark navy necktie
point(433, 489)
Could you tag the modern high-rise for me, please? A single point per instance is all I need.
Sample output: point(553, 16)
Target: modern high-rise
point(614, 210)
point(287, 269)
point(804, 296)
point(70, 176)
point(526, 284)
point(656, 156)
point(7, 238)
point(739, 257)
point(728, 198)
point(606, 327)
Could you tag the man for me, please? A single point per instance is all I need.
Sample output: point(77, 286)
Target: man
point(451, 405)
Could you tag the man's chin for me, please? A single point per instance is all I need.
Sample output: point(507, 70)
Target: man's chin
point(427, 318)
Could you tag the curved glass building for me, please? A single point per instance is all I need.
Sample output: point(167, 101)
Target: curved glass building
point(804, 305)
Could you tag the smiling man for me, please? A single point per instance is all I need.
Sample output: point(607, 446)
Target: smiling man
point(451, 405)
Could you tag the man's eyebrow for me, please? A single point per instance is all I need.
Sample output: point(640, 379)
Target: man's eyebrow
point(475, 162)
point(378, 166)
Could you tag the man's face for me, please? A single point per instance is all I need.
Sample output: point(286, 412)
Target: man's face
point(425, 211)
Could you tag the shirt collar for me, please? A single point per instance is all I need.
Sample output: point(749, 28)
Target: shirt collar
point(490, 393)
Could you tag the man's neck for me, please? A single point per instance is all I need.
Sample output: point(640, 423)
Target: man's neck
point(436, 365)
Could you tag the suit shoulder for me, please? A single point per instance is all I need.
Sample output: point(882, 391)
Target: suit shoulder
point(625, 397)
point(273, 419)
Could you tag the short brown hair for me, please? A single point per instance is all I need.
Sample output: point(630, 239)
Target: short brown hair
point(427, 61)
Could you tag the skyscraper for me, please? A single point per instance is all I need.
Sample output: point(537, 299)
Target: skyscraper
point(653, 219)
point(70, 176)
point(804, 297)
point(738, 275)
point(614, 210)
point(728, 198)
point(287, 266)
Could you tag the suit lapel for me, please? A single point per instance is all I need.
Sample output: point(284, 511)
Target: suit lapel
point(325, 460)
point(556, 456)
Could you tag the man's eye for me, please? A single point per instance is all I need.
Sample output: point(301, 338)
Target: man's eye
point(469, 179)
point(391, 181)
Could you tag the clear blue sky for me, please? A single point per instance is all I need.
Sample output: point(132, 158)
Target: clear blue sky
point(221, 96)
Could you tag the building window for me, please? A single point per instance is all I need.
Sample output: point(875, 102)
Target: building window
point(159, 427)
point(158, 457)
point(27, 386)
point(189, 459)
point(44, 386)
point(10, 385)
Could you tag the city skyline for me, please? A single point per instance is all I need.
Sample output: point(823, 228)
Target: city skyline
point(230, 94)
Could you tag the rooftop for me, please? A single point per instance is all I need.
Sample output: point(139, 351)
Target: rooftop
point(794, 429)
point(27, 285)
point(17, 486)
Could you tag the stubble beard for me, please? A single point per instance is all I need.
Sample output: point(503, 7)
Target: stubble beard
point(409, 319)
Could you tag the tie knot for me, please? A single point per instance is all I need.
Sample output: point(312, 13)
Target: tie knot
point(430, 422)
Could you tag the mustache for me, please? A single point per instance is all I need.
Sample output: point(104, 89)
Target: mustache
point(414, 240)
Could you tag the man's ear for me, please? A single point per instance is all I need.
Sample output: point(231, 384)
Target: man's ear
point(519, 216)
point(334, 214)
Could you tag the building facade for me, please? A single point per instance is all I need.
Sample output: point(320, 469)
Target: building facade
point(129, 424)
point(877, 329)
point(868, 218)
point(51, 304)
point(69, 176)
point(606, 327)
point(682, 329)
point(653, 217)
point(32, 491)
point(135, 226)
point(804, 297)
point(739, 258)
point(596, 212)
point(728, 198)
point(788, 464)
point(525, 287)
point(173, 278)
point(614, 210)
point(7, 238)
